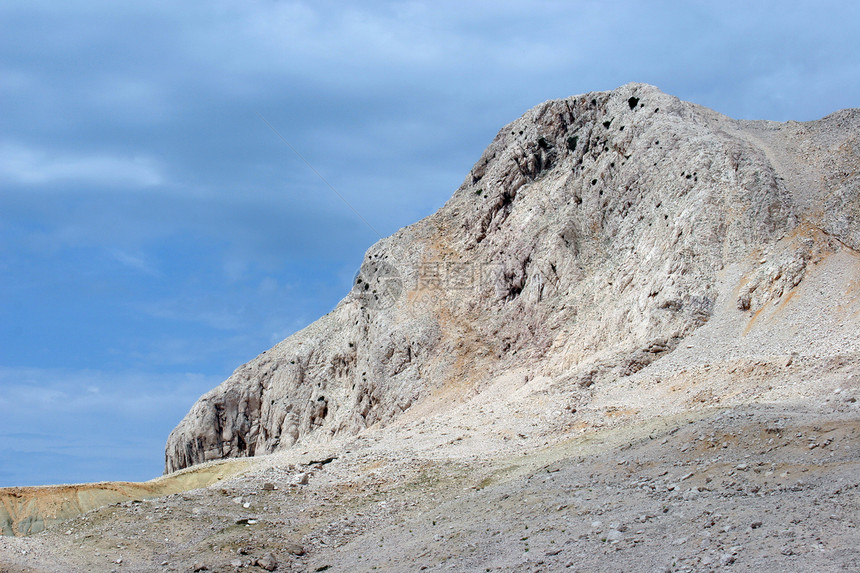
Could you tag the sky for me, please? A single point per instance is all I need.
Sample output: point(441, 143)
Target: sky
point(158, 227)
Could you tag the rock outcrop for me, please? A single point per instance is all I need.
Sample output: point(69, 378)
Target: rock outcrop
point(585, 243)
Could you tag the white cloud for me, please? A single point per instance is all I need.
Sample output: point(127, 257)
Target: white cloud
point(42, 392)
point(137, 262)
point(29, 166)
point(64, 425)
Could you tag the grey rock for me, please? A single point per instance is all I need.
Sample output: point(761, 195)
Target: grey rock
point(267, 562)
point(584, 244)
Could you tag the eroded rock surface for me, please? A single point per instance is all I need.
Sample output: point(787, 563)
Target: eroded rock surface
point(586, 243)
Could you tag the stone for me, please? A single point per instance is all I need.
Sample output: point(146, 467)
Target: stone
point(614, 536)
point(267, 562)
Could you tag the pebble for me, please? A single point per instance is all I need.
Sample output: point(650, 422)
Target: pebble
point(267, 562)
point(614, 536)
point(295, 549)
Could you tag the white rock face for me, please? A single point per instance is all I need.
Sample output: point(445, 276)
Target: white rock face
point(586, 243)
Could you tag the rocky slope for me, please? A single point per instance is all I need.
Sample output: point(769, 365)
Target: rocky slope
point(748, 488)
point(612, 350)
point(591, 238)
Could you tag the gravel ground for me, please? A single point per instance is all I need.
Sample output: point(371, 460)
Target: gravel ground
point(751, 488)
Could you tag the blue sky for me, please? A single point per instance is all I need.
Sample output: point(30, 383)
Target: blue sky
point(155, 233)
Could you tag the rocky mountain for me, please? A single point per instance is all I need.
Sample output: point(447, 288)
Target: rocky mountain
point(628, 342)
point(592, 238)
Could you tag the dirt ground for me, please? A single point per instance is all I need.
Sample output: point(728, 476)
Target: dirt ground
point(750, 488)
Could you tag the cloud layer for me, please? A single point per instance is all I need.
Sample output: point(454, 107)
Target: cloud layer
point(61, 426)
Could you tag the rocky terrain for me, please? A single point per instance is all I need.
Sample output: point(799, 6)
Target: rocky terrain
point(628, 342)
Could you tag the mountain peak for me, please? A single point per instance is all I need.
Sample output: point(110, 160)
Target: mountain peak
point(593, 237)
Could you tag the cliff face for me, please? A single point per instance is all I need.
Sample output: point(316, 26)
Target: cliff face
point(585, 243)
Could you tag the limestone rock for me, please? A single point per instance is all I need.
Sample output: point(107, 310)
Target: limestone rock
point(267, 562)
point(583, 245)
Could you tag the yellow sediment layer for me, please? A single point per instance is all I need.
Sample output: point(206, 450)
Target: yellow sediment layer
point(28, 510)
